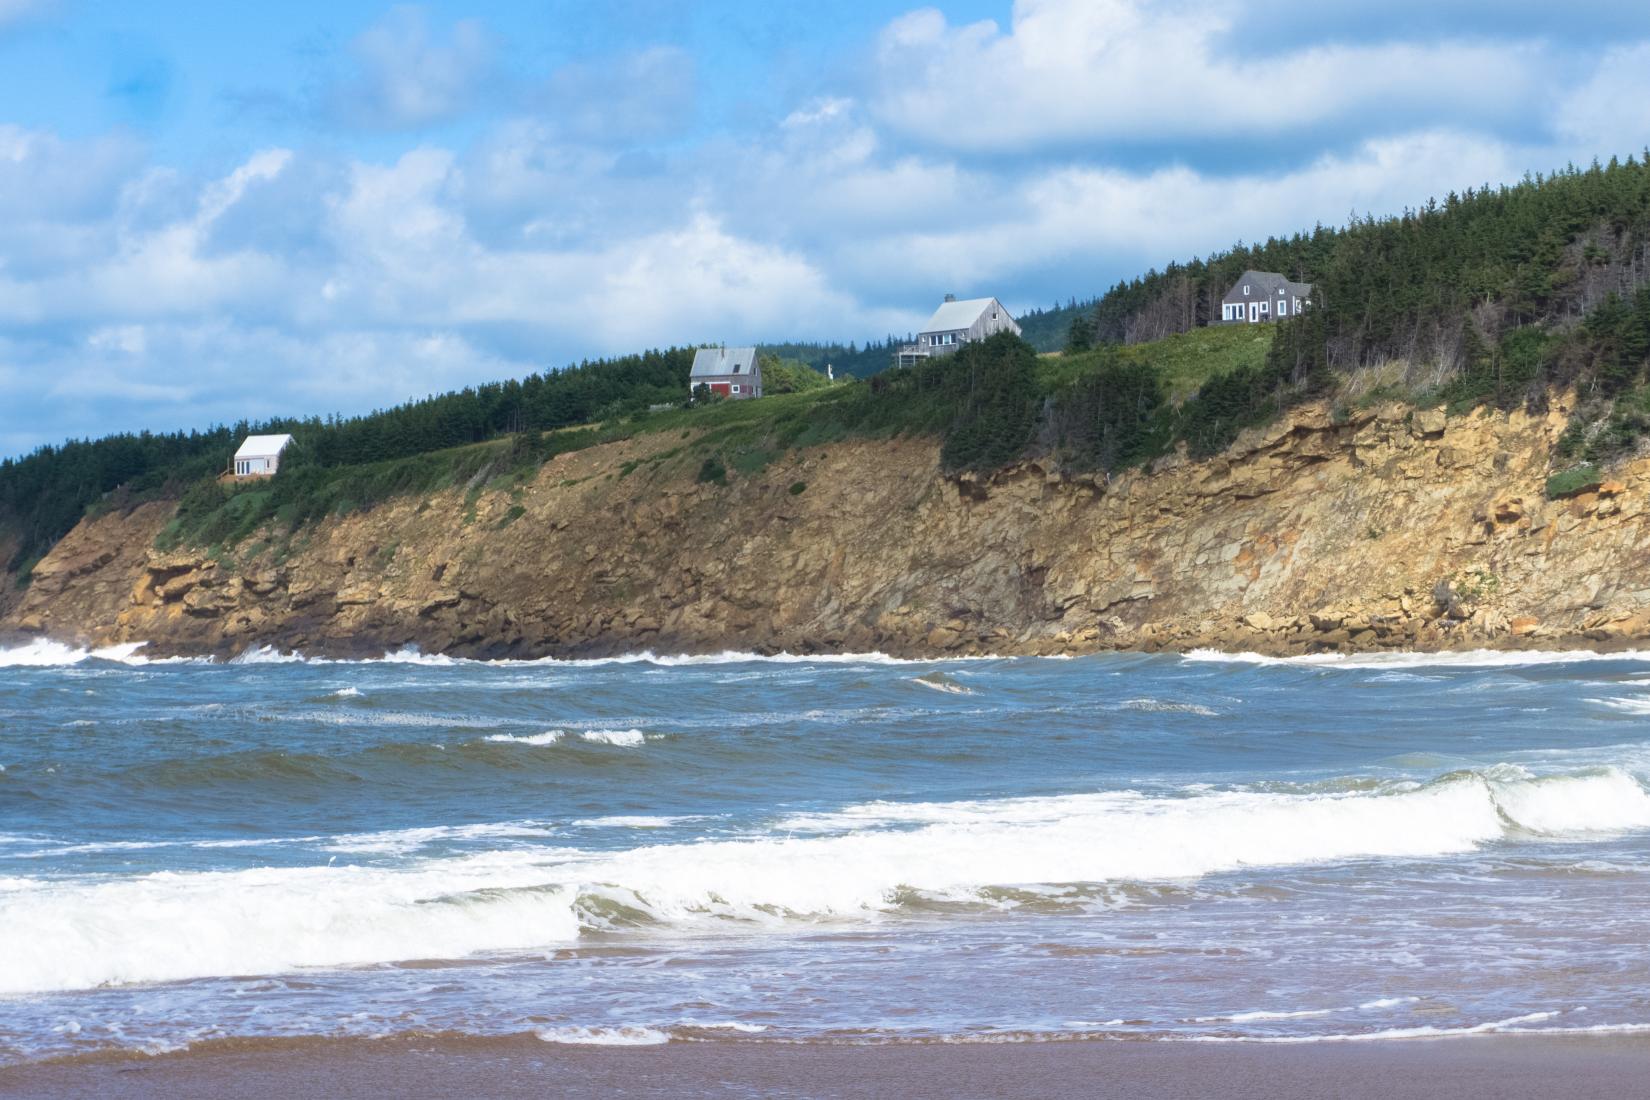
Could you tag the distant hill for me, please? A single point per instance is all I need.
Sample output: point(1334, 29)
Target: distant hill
point(1047, 329)
point(845, 360)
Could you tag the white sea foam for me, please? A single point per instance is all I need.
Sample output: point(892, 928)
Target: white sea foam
point(1161, 706)
point(605, 1036)
point(74, 934)
point(1629, 706)
point(411, 655)
point(1402, 659)
point(1303, 1014)
point(1511, 1024)
point(266, 655)
point(942, 683)
point(398, 841)
point(45, 653)
point(548, 737)
point(347, 693)
point(621, 738)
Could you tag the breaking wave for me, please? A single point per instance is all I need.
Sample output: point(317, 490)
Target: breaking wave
point(44, 653)
point(621, 738)
point(62, 934)
point(1404, 659)
point(411, 655)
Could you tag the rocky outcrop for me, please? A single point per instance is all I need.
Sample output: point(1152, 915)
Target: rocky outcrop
point(1388, 528)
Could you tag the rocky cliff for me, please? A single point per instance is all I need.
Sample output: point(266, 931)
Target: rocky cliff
point(1392, 528)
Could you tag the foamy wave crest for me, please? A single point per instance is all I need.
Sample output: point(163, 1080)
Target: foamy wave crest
point(44, 653)
point(1473, 658)
point(1163, 706)
point(605, 1036)
point(76, 934)
point(548, 737)
point(412, 655)
point(622, 738)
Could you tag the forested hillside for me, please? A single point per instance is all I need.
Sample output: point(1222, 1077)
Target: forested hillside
point(43, 495)
point(1547, 250)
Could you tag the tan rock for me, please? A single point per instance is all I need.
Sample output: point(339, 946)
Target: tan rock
point(1325, 619)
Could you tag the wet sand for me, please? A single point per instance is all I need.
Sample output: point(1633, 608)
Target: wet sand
point(1544, 1067)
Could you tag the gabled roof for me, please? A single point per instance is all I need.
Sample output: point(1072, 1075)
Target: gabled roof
point(1265, 284)
point(262, 446)
point(955, 316)
point(716, 362)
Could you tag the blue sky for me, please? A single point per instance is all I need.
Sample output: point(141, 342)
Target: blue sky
point(210, 211)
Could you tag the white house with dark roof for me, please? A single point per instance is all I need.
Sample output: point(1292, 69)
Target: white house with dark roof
point(260, 455)
point(955, 324)
point(1263, 296)
point(731, 372)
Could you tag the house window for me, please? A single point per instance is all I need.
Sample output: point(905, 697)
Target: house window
point(736, 387)
point(1245, 290)
point(1254, 312)
point(1264, 309)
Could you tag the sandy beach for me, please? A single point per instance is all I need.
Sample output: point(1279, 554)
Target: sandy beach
point(1506, 1067)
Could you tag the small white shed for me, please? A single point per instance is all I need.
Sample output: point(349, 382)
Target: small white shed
point(260, 455)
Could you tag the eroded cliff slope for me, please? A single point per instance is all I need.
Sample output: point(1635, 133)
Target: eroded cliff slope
point(1391, 528)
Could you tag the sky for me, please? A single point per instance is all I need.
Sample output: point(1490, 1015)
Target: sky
point(211, 212)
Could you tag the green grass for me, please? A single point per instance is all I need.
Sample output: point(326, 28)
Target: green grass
point(1183, 362)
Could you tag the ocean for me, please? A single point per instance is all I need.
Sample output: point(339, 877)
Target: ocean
point(842, 850)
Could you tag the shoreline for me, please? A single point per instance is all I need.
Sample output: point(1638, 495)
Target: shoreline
point(1537, 1067)
point(370, 649)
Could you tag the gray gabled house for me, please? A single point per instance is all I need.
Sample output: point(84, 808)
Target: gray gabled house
point(731, 372)
point(1263, 296)
point(955, 324)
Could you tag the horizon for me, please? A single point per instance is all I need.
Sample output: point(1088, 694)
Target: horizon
point(209, 217)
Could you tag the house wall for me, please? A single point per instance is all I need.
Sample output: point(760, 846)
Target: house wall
point(750, 385)
point(258, 466)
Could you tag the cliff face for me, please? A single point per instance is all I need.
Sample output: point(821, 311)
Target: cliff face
point(1310, 534)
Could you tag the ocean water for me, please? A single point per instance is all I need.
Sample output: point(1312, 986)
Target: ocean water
point(839, 850)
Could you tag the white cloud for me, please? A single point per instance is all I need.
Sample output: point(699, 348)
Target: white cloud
point(406, 78)
point(643, 94)
point(1610, 112)
point(1155, 71)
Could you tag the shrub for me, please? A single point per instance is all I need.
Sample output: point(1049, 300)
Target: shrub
point(798, 488)
point(712, 472)
point(1570, 482)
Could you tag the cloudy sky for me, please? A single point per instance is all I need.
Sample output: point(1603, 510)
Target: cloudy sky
point(210, 211)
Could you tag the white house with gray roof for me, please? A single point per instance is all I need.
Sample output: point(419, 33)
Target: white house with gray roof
point(731, 372)
point(1263, 296)
point(260, 456)
point(955, 324)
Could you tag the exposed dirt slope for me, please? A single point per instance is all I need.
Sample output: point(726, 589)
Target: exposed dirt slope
point(1307, 535)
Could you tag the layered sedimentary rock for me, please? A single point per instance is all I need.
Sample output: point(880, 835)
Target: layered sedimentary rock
point(1385, 528)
